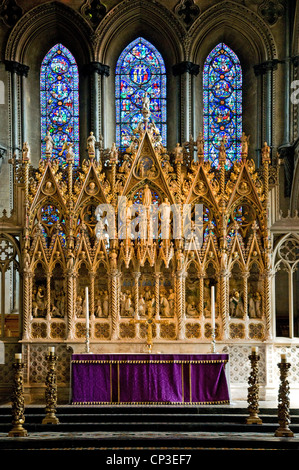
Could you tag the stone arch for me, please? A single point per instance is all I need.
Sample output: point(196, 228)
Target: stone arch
point(29, 41)
point(134, 18)
point(60, 22)
point(224, 20)
point(124, 23)
point(250, 38)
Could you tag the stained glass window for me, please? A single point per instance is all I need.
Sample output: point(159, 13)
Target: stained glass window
point(140, 69)
point(222, 99)
point(59, 95)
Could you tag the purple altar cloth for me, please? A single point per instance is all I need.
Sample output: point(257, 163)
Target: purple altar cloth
point(149, 378)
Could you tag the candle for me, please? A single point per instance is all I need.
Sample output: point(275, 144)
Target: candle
point(51, 350)
point(213, 306)
point(18, 357)
point(87, 307)
point(254, 350)
point(283, 358)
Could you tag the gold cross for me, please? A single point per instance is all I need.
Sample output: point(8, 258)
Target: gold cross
point(149, 322)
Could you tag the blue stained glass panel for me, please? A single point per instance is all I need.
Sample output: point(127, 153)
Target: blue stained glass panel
point(222, 103)
point(59, 97)
point(139, 69)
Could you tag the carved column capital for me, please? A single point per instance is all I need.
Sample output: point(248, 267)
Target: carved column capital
point(15, 67)
point(261, 69)
point(184, 67)
point(97, 67)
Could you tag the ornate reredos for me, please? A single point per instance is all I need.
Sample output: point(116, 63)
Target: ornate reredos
point(132, 277)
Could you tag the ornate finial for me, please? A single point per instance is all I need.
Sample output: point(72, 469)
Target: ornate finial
point(70, 156)
point(113, 154)
point(145, 107)
point(26, 152)
point(49, 145)
point(244, 143)
point(222, 151)
point(200, 145)
point(266, 153)
point(91, 145)
point(178, 153)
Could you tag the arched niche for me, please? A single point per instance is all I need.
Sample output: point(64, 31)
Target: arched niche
point(101, 292)
point(192, 291)
point(10, 287)
point(58, 292)
point(128, 292)
point(82, 281)
point(156, 24)
point(255, 291)
point(251, 40)
point(286, 286)
point(209, 281)
point(167, 291)
point(147, 289)
point(39, 291)
point(33, 36)
point(282, 313)
point(236, 291)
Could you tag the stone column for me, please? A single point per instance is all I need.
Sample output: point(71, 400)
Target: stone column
point(97, 71)
point(185, 71)
point(18, 111)
point(18, 107)
point(265, 72)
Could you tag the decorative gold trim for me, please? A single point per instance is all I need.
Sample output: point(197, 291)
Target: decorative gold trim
point(118, 384)
point(221, 402)
point(190, 382)
point(183, 390)
point(111, 383)
point(150, 361)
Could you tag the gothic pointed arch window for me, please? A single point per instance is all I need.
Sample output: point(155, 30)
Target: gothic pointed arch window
point(222, 104)
point(59, 99)
point(140, 69)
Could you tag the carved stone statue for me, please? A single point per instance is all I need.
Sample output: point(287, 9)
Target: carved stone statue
point(191, 309)
point(49, 143)
point(164, 306)
point(128, 305)
point(200, 144)
point(178, 153)
point(171, 301)
point(105, 304)
point(145, 105)
point(147, 196)
point(265, 152)
point(236, 307)
point(91, 144)
point(244, 143)
point(113, 154)
point(26, 152)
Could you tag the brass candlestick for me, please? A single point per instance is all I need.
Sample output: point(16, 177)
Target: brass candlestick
point(18, 406)
point(284, 402)
point(253, 391)
point(51, 390)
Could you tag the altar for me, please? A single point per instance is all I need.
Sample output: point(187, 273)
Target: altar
point(149, 379)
